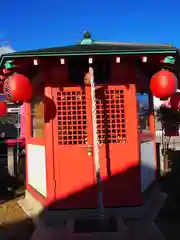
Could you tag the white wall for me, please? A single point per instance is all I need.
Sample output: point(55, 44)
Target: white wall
point(148, 167)
point(158, 102)
point(36, 167)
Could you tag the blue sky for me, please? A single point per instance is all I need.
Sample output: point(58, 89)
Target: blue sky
point(41, 23)
point(143, 100)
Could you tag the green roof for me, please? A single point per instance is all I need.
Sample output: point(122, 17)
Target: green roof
point(93, 48)
point(96, 48)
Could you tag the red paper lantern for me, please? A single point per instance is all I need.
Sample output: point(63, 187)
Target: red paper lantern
point(18, 88)
point(175, 101)
point(163, 84)
point(3, 108)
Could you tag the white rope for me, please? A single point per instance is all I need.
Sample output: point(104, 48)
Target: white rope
point(96, 144)
point(95, 135)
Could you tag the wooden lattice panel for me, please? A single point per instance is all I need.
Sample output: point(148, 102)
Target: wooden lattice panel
point(72, 120)
point(111, 122)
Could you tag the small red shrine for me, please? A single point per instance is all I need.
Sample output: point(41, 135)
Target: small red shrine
point(90, 141)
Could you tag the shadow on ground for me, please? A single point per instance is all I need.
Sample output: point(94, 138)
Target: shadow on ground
point(17, 231)
point(168, 219)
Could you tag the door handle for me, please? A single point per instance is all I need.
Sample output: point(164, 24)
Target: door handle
point(89, 150)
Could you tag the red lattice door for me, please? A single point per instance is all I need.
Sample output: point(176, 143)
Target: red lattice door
point(76, 185)
point(114, 148)
point(74, 169)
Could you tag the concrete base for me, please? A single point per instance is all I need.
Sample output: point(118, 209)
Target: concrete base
point(31, 207)
point(140, 231)
point(133, 222)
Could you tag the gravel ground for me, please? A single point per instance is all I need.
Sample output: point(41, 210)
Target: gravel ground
point(14, 223)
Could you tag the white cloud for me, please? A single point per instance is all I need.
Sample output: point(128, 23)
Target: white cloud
point(6, 49)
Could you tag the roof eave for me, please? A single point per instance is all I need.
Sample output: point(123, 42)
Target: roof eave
point(157, 50)
point(94, 52)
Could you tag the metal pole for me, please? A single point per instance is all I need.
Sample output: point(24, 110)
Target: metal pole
point(96, 145)
point(18, 135)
